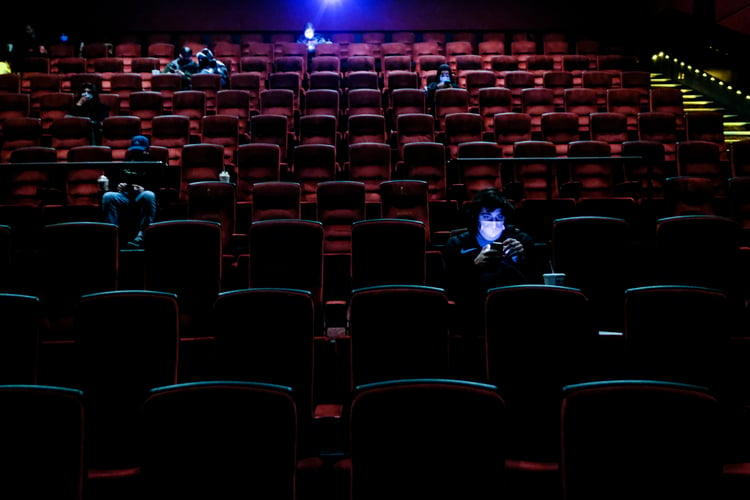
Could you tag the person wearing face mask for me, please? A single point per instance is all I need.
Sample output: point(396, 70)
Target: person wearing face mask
point(88, 104)
point(489, 253)
point(443, 80)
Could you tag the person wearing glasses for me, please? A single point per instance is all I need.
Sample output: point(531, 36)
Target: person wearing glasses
point(488, 253)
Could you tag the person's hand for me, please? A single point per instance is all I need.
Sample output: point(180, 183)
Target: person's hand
point(487, 256)
point(512, 247)
point(86, 96)
point(180, 72)
point(138, 189)
point(121, 187)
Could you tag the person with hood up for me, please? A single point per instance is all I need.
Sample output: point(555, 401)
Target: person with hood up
point(207, 63)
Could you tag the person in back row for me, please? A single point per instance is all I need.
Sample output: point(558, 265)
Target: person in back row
point(183, 65)
point(311, 38)
point(207, 63)
point(443, 80)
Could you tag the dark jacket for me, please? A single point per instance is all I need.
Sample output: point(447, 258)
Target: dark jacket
point(187, 66)
point(467, 284)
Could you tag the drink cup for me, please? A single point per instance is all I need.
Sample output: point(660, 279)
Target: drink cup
point(555, 279)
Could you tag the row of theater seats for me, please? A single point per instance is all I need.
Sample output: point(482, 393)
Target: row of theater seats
point(322, 120)
point(452, 435)
point(175, 131)
point(361, 92)
point(112, 57)
point(308, 92)
point(130, 373)
point(598, 166)
point(190, 257)
point(300, 82)
point(618, 116)
point(328, 71)
point(639, 186)
point(551, 54)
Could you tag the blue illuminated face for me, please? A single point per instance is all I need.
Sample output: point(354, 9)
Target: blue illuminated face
point(309, 33)
point(491, 224)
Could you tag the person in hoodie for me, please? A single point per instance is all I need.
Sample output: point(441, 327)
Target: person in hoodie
point(207, 63)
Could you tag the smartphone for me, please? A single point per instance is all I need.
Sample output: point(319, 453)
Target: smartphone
point(497, 245)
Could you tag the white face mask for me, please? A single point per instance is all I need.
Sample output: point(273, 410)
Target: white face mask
point(491, 230)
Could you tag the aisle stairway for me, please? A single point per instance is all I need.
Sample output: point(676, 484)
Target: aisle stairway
point(735, 128)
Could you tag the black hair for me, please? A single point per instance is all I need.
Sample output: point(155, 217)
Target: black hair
point(490, 199)
point(88, 86)
point(93, 88)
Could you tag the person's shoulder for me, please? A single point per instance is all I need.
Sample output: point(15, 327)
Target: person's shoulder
point(458, 239)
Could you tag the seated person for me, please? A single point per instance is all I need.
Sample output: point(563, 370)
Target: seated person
point(443, 80)
point(310, 38)
point(130, 194)
point(183, 65)
point(489, 253)
point(87, 104)
point(207, 63)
